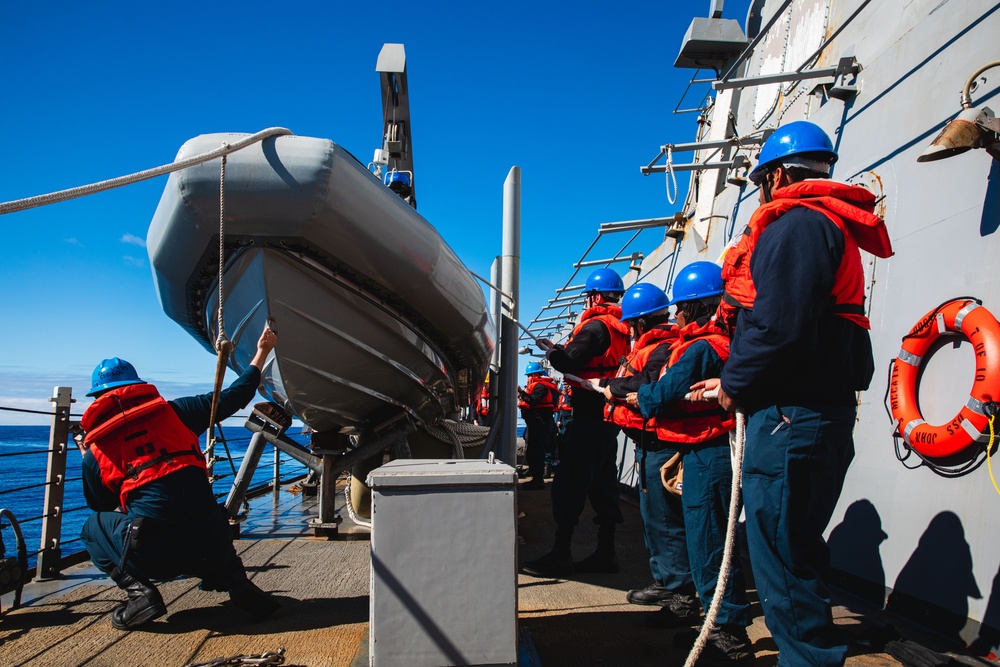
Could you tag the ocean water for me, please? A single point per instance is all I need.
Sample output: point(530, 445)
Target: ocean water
point(17, 472)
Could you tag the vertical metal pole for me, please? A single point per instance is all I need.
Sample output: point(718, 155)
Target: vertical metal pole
point(51, 549)
point(277, 472)
point(510, 273)
point(496, 301)
point(243, 476)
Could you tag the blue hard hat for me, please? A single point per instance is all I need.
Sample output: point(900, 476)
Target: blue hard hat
point(604, 280)
point(533, 367)
point(792, 139)
point(642, 299)
point(397, 177)
point(697, 280)
point(111, 373)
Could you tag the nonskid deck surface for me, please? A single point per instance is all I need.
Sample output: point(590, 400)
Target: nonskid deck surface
point(323, 587)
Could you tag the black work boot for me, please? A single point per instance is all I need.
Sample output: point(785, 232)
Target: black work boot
point(728, 645)
point(655, 594)
point(679, 610)
point(245, 595)
point(603, 560)
point(144, 602)
point(556, 563)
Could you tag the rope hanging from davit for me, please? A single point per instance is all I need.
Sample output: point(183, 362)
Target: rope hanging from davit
point(223, 346)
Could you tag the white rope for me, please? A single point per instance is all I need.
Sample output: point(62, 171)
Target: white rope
point(84, 190)
point(670, 176)
point(350, 506)
point(727, 554)
point(222, 249)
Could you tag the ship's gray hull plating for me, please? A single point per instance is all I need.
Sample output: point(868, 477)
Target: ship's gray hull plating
point(372, 307)
point(928, 542)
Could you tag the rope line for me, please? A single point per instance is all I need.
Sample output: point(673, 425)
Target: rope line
point(670, 176)
point(222, 250)
point(350, 507)
point(989, 448)
point(460, 435)
point(110, 184)
point(727, 554)
point(30, 412)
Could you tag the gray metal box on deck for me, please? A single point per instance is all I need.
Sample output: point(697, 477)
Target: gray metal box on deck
point(443, 564)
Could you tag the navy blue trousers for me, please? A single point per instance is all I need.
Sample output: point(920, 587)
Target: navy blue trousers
point(708, 483)
point(588, 470)
point(539, 440)
point(793, 472)
point(663, 523)
point(202, 549)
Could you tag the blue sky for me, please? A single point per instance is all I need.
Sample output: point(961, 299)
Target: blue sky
point(579, 95)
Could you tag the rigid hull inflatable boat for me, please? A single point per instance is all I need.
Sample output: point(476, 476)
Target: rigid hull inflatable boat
point(375, 312)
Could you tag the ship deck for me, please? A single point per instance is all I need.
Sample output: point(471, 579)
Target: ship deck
point(323, 586)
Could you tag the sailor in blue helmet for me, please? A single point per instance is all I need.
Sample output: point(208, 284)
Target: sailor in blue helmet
point(800, 353)
point(588, 462)
point(538, 401)
point(645, 309)
point(700, 432)
point(155, 516)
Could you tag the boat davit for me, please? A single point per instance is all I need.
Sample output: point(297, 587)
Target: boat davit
point(374, 310)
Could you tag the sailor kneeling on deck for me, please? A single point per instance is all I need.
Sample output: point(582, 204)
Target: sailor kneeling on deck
point(145, 477)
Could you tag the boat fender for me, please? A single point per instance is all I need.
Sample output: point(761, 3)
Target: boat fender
point(965, 316)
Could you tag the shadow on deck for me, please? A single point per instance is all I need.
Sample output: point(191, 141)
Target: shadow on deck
point(323, 587)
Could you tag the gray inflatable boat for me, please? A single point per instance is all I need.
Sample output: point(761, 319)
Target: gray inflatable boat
point(375, 313)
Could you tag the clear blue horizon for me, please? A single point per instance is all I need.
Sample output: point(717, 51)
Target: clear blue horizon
point(578, 95)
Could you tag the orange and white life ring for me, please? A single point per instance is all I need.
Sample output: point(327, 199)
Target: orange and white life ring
point(969, 318)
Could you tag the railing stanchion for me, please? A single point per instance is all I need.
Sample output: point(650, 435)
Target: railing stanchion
point(51, 542)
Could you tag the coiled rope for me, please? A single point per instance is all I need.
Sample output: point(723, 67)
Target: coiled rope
point(350, 506)
point(669, 175)
point(460, 435)
point(727, 554)
point(84, 190)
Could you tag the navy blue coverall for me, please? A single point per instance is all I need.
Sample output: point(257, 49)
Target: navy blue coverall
point(540, 429)
point(708, 481)
point(795, 367)
point(184, 530)
point(588, 464)
point(662, 512)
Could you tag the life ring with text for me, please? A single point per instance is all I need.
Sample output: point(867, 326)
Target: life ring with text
point(969, 318)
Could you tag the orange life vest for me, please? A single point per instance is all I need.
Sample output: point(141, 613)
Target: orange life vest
point(622, 413)
point(483, 404)
point(551, 396)
point(685, 421)
point(137, 438)
point(566, 400)
point(849, 207)
point(606, 364)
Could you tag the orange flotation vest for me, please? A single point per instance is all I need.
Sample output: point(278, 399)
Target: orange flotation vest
point(605, 365)
point(621, 413)
point(566, 400)
point(687, 422)
point(960, 316)
point(137, 438)
point(849, 207)
point(483, 404)
point(551, 396)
